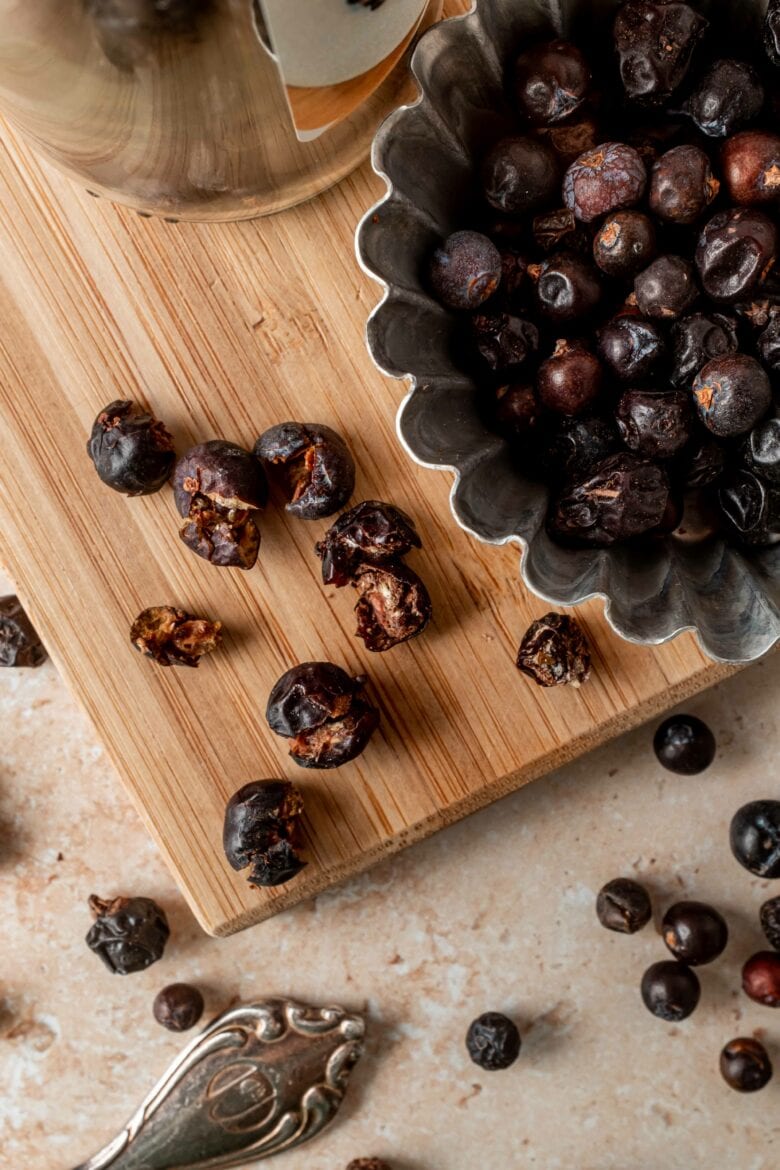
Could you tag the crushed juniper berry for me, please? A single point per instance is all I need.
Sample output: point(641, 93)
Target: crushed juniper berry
point(551, 81)
point(655, 44)
point(655, 423)
point(769, 917)
point(131, 450)
point(631, 347)
point(684, 744)
point(465, 270)
point(173, 637)
point(696, 340)
point(751, 507)
point(262, 829)
point(569, 382)
point(750, 163)
point(666, 288)
point(318, 467)
point(502, 340)
point(20, 644)
point(324, 712)
point(736, 251)
point(178, 1007)
point(520, 175)
point(493, 1041)
point(128, 934)
point(555, 652)
point(371, 533)
point(761, 978)
point(670, 990)
point(516, 410)
point(745, 1064)
point(694, 932)
point(726, 98)
point(218, 488)
point(626, 496)
point(393, 605)
point(768, 343)
point(732, 393)
point(682, 185)
point(624, 906)
point(761, 451)
point(754, 836)
point(578, 445)
point(625, 243)
point(606, 179)
point(567, 287)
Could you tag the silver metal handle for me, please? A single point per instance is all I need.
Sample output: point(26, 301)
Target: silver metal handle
point(260, 1079)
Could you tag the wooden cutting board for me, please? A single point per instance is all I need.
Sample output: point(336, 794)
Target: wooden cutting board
point(225, 330)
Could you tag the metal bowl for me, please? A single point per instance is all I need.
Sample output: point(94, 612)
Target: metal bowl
point(425, 152)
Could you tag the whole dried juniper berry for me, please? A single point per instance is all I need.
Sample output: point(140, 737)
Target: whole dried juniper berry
point(555, 652)
point(465, 270)
point(131, 450)
point(728, 97)
point(317, 464)
point(519, 175)
point(493, 1041)
point(737, 250)
point(20, 644)
point(655, 44)
point(178, 1007)
point(129, 934)
point(769, 916)
point(262, 829)
point(173, 637)
point(606, 179)
point(371, 533)
point(218, 488)
point(324, 712)
point(624, 906)
point(551, 81)
point(393, 605)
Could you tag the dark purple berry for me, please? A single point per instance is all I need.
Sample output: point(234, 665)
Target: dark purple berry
point(732, 394)
point(698, 339)
point(670, 990)
point(315, 464)
point(324, 712)
point(754, 836)
point(129, 934)
point(736, 251)
point(605, 179)
point(625, 243)
point(178, 1007)
point(554, 652)
point(465, 270)
point(682, 185)
point(520, 175)
point(752, 508)
point(751, 167)
point(772, 32)
point(761, 452)
point(655, 423)
point(684, 744)
point(514, 275)
point(631, 347)
point(769, 916)
point(551, 82)
point(218, 487)
point(579, 445)
point(624, 906)
point(625, 497)
point(569, 382)
point(503, 340)
point(655, 44)
point(262, 830)
point(728, 97)
point(694, 932)
point(567, 287)
point(516, 411)
point(666, 288)
point(745, 1065)
point(131, 450)
point(370, 533)
point(761, 978)
point(493, 1041)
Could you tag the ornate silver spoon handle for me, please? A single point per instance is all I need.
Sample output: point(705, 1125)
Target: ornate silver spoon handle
point(261, 1078)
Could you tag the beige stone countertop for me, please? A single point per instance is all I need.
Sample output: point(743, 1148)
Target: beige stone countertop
point(495, 913)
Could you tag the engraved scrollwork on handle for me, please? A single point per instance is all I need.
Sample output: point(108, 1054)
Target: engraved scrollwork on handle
point(260, 1079)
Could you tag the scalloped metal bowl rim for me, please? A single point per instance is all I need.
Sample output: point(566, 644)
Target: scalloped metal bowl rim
point(386, 128)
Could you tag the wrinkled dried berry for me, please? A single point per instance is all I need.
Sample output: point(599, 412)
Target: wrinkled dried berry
point(684, 744)
point(666, 288)
point(694, 932)
point(732, 394)
point(493, 1041)
point(504, 341)
point(129, 934)
point(655, 423)
point(625, 497)
point(393, 605)
point(631, 347)
point(735, 254)
point(516, 411)
point(705, 464)
point(371, 533)
point(559, 230)
point(655, 44)
point(324, 712)
point(555, 652)
point(131, 450)
point(178, 1007)
point(567, 287)
point(624, 906)
point(579, 445)
point(625, 243)
point(605, 179)
point(174, 637)
point(670, 990)
point(569, 382)
point(769, 344)
point(761, 978)
point(465, 270)
point(751, 167)
point(682, 185)
point(772, 31)
point(520, 175)
point(769, 916)
point(752, 508)
point(262, 829)
point(571, 139)
point(20, 644)
point(761, 452)
point(754, 836)
point(318, 466)
point(728, 97)
point(696, 340)
point(745, 1064)
point(551, 82)
point(218, 488)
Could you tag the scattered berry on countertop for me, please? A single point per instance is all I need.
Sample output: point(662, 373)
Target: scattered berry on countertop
point(745, 1064)
point(769, 917)
point(219, 488)
point(670, 990)
point(555, 652)
point(694, 932)
point(623, 905)
point(754, 836)
point(128, 934)
point(262, 829)
point(178, 1007)
point(684, 744)
point(316, 463)
point(761, 978)
point(493, 1041)
point(324, 712)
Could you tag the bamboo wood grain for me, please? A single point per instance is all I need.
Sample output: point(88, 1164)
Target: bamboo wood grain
point(225, 330)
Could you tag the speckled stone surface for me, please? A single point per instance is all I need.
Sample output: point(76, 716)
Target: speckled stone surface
point(495, 913)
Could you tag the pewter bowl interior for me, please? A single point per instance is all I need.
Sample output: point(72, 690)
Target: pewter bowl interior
point(426, 153)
